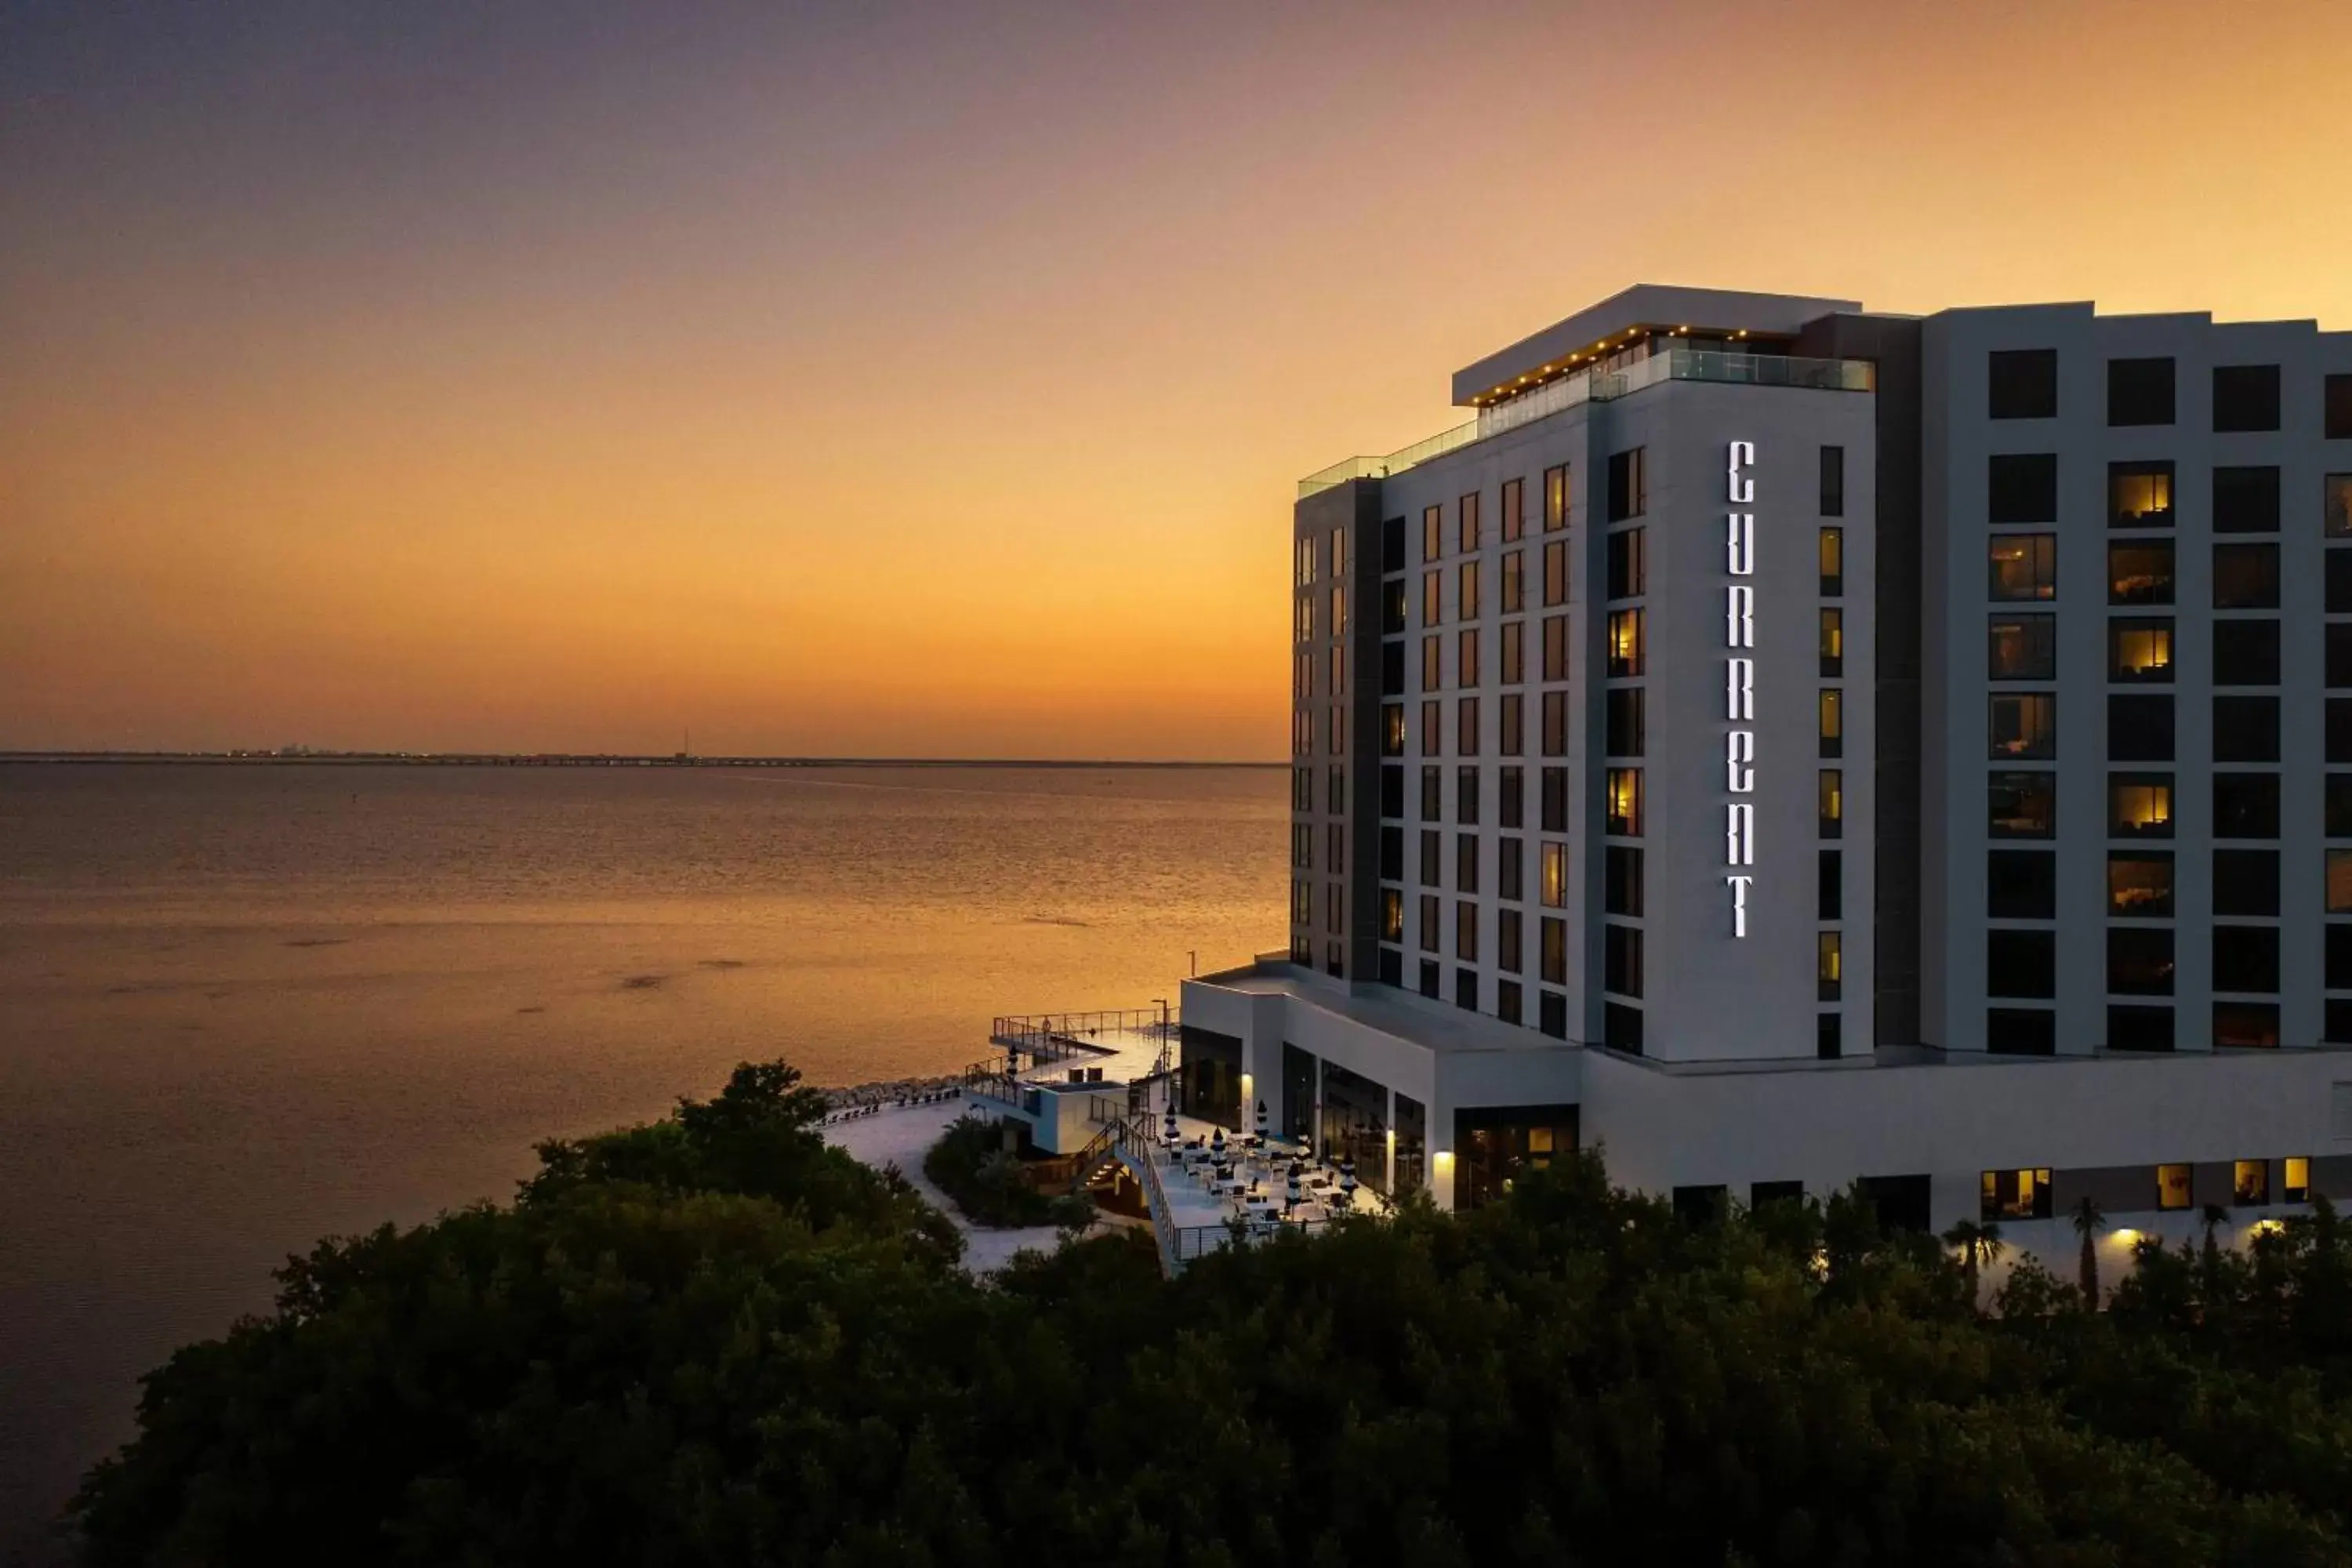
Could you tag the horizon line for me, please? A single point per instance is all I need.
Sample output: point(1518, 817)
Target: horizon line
point(605, 759)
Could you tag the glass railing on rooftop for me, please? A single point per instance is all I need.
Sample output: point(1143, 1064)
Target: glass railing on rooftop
point(1675, 364)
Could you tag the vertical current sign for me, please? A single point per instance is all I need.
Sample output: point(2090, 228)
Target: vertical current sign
point(1739, 682)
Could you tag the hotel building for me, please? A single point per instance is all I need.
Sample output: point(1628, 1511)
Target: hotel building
point(1785, 745)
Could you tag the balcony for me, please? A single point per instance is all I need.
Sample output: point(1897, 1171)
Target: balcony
point(1605, 386)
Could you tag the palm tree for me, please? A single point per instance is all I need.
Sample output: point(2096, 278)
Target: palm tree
point(1980, 1246)
point(2089, 1220)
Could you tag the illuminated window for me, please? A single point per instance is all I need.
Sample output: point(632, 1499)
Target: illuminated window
point(2340, 881)
point(2023, 724)
point(1392, 606)
point(1433, 598)
point(1832, 642)
point(1392, 729)
point(2250, 1184)
point(2015, 1194)
point(1832, 715)
point(1433, 533)
point(1551, 877)
point(1829, 965)
point(2139, 805)
point(2022, 648)
point(2297, 1185)
point(2140, 495)
point(2139, 884)
point(1625, 638)
point(1513, 522)
point(2139, 649)
point(1391, 915)
point(1469, 522)
point(2022, 565)
point(1467, 664)
point(1623, 810)
point(1468, 606)
point(2022, 805)
point(2172, 1186)
point(1514, 582)
point(2336, 506)
point(1554, 497)
point(1832, 553)
point(2139, 571)
point(1832, 802)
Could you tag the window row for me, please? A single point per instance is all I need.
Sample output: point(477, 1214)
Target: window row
point(2024, 805)
point(2023, 884)
point(2022, 487)
point(2027, 1195)
point(2022, 384)
point(2024, 566)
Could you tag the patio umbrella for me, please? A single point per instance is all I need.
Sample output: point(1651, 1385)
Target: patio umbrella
point(1292, 1196)
point(1347, 1183)
point(1261, 1120)
point(1217, 1142)
point(1171, 1129)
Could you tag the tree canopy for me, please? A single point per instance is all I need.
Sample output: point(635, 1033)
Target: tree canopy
point(714, 1341)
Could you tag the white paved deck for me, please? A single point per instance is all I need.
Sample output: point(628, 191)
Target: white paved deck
point(902, 1138)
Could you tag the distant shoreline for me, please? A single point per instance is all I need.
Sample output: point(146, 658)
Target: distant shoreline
point(573, 760)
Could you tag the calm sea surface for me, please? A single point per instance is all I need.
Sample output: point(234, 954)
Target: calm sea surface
point(243, 1007)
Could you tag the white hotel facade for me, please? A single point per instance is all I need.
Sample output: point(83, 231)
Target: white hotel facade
point(1785, 745)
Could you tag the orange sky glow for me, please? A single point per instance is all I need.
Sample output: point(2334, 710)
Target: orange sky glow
point(933, 380)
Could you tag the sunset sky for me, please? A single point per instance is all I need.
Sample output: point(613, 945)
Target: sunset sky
point(933, 380)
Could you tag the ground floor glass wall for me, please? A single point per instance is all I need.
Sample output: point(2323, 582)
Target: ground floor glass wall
point(1494, 1145)
point(1210, 1075)
point(1356, 1123)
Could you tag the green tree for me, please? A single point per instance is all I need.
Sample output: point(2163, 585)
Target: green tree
point(1980, 1246)
point(2088, 1220)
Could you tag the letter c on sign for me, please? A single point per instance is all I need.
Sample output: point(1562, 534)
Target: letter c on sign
point(1743, 485)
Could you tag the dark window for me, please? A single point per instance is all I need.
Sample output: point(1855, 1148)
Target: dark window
point(1392, 544)
point(2022, 384)
point(1629, 575)
point(1555, 800)
point(2245, 729)
point(2339, 581)
point(1830, 897)
point(1554, 725)
point(2245, 653)
point(2139, 391)
point(2246, 1025)
point(2338, 422)
point(2246, 500)
point(1628, 492)
point(1552, 954)
point(1555, 648)
point(1465, 869)
point(1432, 793)
point(2020, 884)
point(2022, 487)
point(2139, 961)
point(2245, 805)
point(2020, 963)
point(1828, 1035)
point(2138, 1026)
point(1431, 855)
point(2339, 729)
point(2022, 806)
point(2339, 653)
point(1621, 1028)
point(2139, 884)
point(2139, 571)
point(2021, 1031)
point(1506, 1000)
point(2336, 1028)
point(1391, 669)
point(2140, 495)
point(1393, 854)
point(2022, 648)
point(1834, 481)
point(1621, 880)
point(2245, 958)
point(1392, 607)
point(2339, 957)
point(2245, 577)
point(2139, 805)
point(1391, 967)
point(1511, 806)
point(1551, 1013)
point(1429, 978)
point(1555, 573)
point(2245, 882)
point(1621, 958)
point(1392, 789)
point(2245, 397)
point(2139, 727)
point(2022, 567)
point(1901, 1202)
point(2023, 724)
point(1466, 795)
point(1465, 989)
point(1510, 869)
point(1624, 722)
point(2340, 805)
point(2139, 649)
